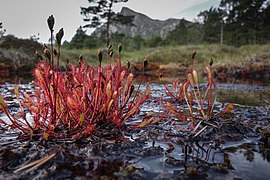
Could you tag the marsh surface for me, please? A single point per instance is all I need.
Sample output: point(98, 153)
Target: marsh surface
point(238, 148)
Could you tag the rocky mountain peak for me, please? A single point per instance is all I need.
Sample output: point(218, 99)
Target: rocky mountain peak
point(143, 26)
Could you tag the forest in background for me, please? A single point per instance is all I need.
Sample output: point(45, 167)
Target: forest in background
point(234, 22)
point(241, 27)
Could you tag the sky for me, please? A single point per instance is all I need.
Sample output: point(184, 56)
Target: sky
point(25, 18)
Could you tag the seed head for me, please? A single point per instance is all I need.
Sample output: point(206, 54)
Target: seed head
point(193, 54)
point(99, 56)
point(47, 53)
point(80, 58)
point(50, 22)
point(211, 61)
point(119, 48)
point(128, 64)
point(109, 47)
point(59, 36)
point(111, 53)
point(54, 52)
point(145, 63)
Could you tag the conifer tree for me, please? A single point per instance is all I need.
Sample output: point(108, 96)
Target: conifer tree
point(100, 12)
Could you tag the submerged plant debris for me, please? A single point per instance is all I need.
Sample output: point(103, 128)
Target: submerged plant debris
point(237, 148)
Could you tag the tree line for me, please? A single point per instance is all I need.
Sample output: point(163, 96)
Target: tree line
point(234, 22)
point(237, 22)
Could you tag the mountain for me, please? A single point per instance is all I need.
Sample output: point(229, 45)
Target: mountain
point(143, 26)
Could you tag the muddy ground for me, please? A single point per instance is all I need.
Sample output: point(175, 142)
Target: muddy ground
point(237, 147)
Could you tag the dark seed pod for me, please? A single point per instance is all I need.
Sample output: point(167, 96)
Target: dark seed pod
point(145, 63)
point(128, 64)
point(44, 46)
point(119, 48)
point(80, 57)
point(55, 52)
point(47, 53)
point(211, 61)
point(109, 47)
point(193, 54)
point(99, 56)
point(80, 60)
point(111, 53)
point(59, 36)
point(50, 22)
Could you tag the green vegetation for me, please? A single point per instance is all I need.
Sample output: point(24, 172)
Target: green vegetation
point(243, 97)
point(234, 22)
point(223, 33)
point(243, 42)
point(180, 55)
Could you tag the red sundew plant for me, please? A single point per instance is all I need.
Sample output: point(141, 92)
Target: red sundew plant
point(200, 102)
point(74, 104)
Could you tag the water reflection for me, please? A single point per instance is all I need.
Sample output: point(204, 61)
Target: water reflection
point(154, 77)
point(264, 150)
point(25, 78)
point(249, 158)
point(248, 81)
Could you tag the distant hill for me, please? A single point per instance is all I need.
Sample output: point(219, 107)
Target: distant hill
point(144, 26)
point(18, 54)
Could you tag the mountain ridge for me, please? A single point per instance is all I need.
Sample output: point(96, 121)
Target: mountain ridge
point(144, 26)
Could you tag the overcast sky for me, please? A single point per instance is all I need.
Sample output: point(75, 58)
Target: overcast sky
point(24, 18)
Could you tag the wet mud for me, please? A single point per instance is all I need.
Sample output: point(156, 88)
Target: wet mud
point(238, 147)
